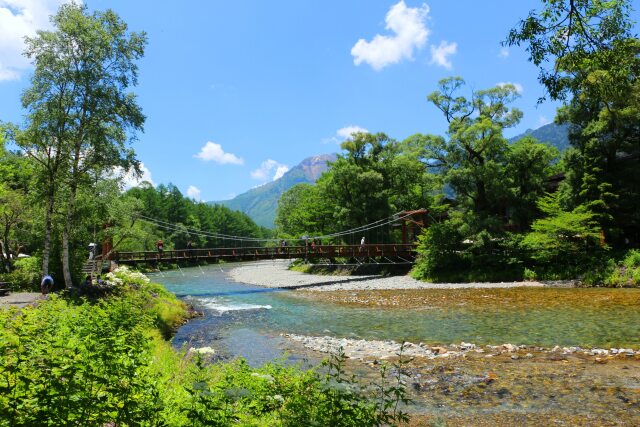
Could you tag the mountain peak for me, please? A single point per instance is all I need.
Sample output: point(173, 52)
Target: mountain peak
point(314, 166)
point(551, 133)
point(261, 202)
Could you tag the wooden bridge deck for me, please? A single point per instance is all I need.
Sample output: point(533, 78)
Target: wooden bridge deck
point(404, 252)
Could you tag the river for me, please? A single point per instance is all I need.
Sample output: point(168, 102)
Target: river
point(245, 320)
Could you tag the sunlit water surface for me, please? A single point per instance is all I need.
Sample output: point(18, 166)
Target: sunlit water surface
point(246, 320)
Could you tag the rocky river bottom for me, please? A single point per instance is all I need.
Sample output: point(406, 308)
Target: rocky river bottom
point(499, 385)
point(508, 356)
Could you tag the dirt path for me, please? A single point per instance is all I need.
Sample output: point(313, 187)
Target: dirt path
point(19, 299)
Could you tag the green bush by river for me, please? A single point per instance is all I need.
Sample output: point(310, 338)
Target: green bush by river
point(68, 362)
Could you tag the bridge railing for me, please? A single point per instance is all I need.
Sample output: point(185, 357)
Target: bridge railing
point(279, 252)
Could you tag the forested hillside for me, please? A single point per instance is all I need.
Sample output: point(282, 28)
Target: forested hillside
point(164, 213)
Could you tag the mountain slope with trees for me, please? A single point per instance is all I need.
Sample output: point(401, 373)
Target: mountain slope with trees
point(551, 133)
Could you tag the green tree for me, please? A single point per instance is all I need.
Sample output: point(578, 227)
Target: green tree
point(589, 57)
point(472, 159)
point(80, 113)
point(528, 166)
point(13, 212)
point(565, 33)
point(374, 178)
point(563, 238)
point(302, 210)
point(358, 182)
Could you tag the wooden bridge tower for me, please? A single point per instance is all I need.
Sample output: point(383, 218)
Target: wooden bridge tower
point(412, 224)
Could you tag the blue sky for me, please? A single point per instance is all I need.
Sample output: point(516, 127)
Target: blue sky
point(235, 92)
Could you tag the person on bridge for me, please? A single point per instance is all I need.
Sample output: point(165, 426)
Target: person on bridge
point(362, 244)
point(160, 247)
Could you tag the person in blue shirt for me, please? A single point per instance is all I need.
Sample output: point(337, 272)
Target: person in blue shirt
point(46, 285)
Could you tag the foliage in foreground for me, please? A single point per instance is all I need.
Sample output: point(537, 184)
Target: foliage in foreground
point(67, 363)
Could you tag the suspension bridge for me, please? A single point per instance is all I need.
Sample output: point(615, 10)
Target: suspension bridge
point(243, 248)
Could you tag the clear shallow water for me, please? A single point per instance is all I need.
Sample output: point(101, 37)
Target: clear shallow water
point(247, 320)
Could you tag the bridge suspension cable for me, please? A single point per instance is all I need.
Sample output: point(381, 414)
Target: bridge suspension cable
point(174, 227)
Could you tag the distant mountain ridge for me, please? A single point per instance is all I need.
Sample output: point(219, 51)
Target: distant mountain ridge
point(552, 134)
point(260, 203)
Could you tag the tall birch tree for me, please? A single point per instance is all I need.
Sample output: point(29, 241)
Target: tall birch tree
point(81, 115)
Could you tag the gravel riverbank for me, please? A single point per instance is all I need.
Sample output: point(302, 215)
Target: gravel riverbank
point(274, 274)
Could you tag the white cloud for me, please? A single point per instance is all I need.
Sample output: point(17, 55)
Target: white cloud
point(20, 18)
point(518, 86)
point(344, 133)
point(214, 152)
point(542, 120)
point(269, 169)
point(410, 33)
point(130, 180)
point(193, 192)
point(504, 52)
point(347, 131)
point(440, 54)
point(280, 170)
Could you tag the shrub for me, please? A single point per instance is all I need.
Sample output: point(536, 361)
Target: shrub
point(632, 259)
point(529, 274)
point(26, 274)
point(563, 238)
point(67, 364)
point(439, 250)
point(446, 254)
point(626, 273)
point(80, 363)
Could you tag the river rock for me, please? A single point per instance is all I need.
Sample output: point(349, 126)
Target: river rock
point(465, 346)
point(509, 347)
point(439, 350)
